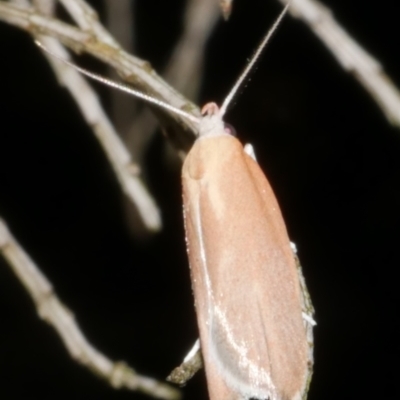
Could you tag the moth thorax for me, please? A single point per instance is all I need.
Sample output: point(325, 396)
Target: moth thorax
point(211, 123)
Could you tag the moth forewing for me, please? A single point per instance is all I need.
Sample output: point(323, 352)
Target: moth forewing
point(246, 286)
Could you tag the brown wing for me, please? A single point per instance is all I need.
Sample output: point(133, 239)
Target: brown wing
point(244, 277)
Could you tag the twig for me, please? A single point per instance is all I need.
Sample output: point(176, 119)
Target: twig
point(184, 70)
point(121, 24)
point(185, 67)
point(46, 7)
point(126, 171)
point(54, 312)
point(87, 19)
point(131, 68)
point(226, 7)
point(350, 55)
point(50, 309)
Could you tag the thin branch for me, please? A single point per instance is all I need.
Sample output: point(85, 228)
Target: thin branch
point(130, 67)
point(117, 85)
point(46, 7)
point(50, 309)
point(121, 24)
point(185, 68)
point(226, 7)
point(86, 98)
point(54, 312)
point(350, 55)
point(87, 19)
point(126, 171)
point(139, 73)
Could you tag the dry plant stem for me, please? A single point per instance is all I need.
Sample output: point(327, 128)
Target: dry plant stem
point(226, 7)
point(120, 23)
point(54, 312)
point(46, 7)
point(186, 64)
point(185, 68)
point(350, 55)
point(132, 69)
point(119, 157)
point(87, 19)
point(78, 9)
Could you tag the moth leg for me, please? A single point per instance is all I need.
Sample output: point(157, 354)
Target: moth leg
point(192, 363)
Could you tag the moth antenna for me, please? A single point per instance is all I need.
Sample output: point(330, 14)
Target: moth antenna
point(121, 86)
point(251, 63)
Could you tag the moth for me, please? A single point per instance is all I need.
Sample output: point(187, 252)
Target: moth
point(253, 310)
point(252, 306)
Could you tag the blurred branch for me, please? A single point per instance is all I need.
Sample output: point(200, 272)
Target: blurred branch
point(185, 68)
point(46, 7)
point(226, 7)
point(54, 312)
point(120, 23)
point(350, 55)
point(87, 19)
point(184, 72)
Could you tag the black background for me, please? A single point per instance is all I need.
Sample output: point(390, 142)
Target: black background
point(327, 149)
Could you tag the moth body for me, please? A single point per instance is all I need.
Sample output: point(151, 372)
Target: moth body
point(248, 298)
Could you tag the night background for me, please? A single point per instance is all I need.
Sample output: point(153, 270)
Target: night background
point(327, 149)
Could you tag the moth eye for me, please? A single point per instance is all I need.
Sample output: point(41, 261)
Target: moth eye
point(230, 129)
